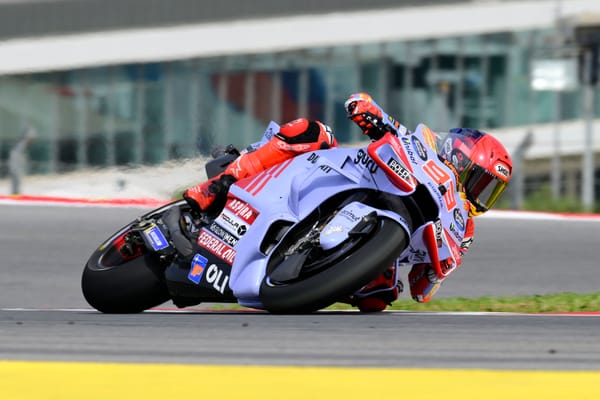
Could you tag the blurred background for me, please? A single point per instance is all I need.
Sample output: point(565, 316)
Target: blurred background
point(103, 83)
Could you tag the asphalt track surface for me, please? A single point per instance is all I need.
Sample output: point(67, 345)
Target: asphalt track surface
point(44, 317)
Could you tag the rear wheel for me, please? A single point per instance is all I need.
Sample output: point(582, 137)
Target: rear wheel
point(327, 276)
point(117, 283)
point(117, 279)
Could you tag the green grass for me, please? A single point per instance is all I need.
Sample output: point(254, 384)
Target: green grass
point(548, 303)
point(542, 200)
point(560, 302)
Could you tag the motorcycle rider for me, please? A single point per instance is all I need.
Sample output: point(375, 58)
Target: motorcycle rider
point(480, 162)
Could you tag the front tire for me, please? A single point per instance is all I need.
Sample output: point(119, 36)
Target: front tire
point(348, 274)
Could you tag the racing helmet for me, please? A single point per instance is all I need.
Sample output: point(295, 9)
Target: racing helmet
point(482, 164)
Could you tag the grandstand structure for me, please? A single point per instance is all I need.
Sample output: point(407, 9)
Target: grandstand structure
point(128, 82)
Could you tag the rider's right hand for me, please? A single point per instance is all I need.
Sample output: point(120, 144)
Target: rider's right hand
point(366, 114)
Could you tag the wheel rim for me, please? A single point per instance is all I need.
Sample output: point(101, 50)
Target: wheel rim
point(318, 260)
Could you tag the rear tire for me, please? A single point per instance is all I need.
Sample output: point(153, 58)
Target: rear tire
point(112, 283)
point(131, 287)
point(351, 272)
point(128, 287)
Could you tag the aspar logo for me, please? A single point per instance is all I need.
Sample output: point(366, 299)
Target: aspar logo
point(419, 148)
point(242, 210)
point(363, 159)
point(398, 169)
point(502, 170)
point(216, 246)
point(218, 279)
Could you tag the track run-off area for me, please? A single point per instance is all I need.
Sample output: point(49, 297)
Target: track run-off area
point(53, 345)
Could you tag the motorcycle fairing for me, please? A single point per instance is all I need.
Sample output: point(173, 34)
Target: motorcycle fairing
point(339, 228)
point(440, 182)
point(389, 155)
point(290, 192)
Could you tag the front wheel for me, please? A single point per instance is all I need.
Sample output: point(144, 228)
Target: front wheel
point(364, 258)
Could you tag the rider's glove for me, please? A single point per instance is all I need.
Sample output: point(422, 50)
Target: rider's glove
point(361, 109)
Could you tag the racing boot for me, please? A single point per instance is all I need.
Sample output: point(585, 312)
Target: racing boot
point(378, 294)
point(209, 195)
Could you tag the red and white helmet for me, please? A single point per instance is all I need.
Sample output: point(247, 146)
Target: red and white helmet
point(483, 165)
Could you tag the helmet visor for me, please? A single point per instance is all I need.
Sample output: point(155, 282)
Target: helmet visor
point(482, 187)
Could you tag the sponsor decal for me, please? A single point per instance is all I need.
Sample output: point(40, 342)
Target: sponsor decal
point(235, 168)
point(156, 238)
point(216, 246)
point(197, 268)
point(399, 169)
point(312, 158)
point(223, 234)
point(458, 235)
point(325, 168)
point(502, 170)
point(429, 137)
point(442, 177)
point(465, 244)
point(297, 147)
point(417, 255)
point(329, 132)
point(333, 229)
point(435, 190)
point(217, 277)
point(419, 148)
point(459, 219)
point(231, 223)
point(438, 232)
point(448, 147)
point(362, 158)
point(349, 215)
point(242, 210)
point(408, 149)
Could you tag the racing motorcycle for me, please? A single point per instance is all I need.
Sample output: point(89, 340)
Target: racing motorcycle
point(294, 238)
